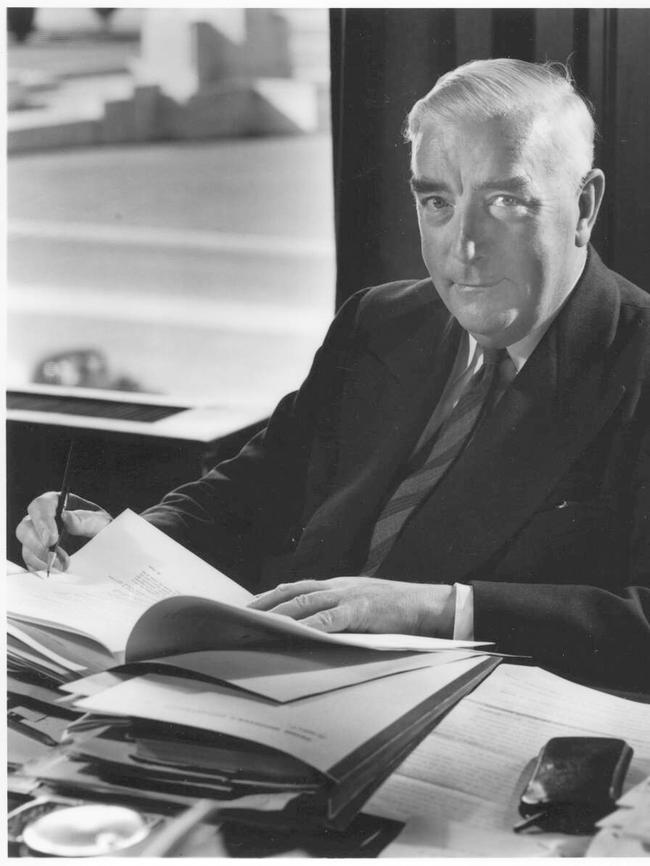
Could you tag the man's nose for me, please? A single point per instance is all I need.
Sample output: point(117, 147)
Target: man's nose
point(468, 240)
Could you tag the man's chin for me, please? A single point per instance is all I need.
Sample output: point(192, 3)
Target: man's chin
point(493, 332)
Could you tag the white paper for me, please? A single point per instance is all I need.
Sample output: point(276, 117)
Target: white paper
point(559, 702)
point(93, 684)
point(637, 796)
point(113, 579)
point(149, 565)
point(399, 642)
point(610, 843)
point(289, 676)
point(26, 638)
point(472, 768)
point(23, 658)
point(428, 837)
point(319, 730)
point(632, 818)
point(626, 831)
point(282, 675)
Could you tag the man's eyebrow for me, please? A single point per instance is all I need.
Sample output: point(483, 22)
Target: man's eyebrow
point(518, 183)
point(514, 184)
point(428, 184)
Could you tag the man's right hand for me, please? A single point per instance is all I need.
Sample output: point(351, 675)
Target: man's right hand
point(37, 531)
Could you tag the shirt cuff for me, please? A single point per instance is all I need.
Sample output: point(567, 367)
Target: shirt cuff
point(464, 612)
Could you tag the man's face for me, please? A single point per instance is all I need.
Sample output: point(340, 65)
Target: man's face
point(497, 211)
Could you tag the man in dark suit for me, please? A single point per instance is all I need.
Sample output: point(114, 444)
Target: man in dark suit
point(470, 454)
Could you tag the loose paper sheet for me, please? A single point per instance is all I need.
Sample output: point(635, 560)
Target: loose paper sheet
point(286, 676)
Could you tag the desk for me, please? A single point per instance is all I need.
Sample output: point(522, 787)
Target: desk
point(457, 792)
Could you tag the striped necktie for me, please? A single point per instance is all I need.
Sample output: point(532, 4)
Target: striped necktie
point(430, 461)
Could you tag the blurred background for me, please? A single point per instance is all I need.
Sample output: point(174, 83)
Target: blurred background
point(170, 217)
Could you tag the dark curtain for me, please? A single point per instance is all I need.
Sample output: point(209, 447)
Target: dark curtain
point(382, 60)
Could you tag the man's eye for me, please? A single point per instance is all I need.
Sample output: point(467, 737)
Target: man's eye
point(507, 201)
point(435, 202)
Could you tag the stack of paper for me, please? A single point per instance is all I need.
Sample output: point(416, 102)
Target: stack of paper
point(141, 629)
point(191, 738)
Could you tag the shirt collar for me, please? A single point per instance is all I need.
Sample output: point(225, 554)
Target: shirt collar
point(519, 352)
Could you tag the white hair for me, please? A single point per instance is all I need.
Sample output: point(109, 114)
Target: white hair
point(504, 87)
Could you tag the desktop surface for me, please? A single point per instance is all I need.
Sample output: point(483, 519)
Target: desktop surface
point(457, 793)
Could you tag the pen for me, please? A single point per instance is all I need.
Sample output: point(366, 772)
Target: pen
point(63, 497)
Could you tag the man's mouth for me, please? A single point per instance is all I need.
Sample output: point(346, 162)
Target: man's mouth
point(473, 286)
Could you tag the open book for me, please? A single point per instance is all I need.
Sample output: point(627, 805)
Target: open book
point(132, 594)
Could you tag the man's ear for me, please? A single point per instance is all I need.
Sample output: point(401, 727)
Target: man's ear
point(589, 201)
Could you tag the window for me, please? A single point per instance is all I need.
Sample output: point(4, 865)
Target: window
point(190, 264)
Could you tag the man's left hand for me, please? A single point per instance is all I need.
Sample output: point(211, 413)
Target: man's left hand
point(364, 604)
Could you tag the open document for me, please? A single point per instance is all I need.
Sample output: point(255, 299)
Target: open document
point(138, 595)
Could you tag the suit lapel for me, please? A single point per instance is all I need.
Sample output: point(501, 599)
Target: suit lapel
point(561, 398)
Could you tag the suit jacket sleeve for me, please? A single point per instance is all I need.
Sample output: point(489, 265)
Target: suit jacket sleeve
point(245, 508)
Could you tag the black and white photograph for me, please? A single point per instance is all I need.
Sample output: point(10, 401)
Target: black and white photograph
point(327, 441)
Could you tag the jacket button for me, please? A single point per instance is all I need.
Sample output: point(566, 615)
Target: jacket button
point(294, 537)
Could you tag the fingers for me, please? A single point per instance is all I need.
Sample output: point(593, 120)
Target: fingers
point(364, 604)
point(41, 513)
point(35, 553)
point(33, 561)
point(320, 604)
point(86, 523)
point(37, 532)
point(334, 619)
point(284, 592)
point(38, 563)
point(306, 604)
